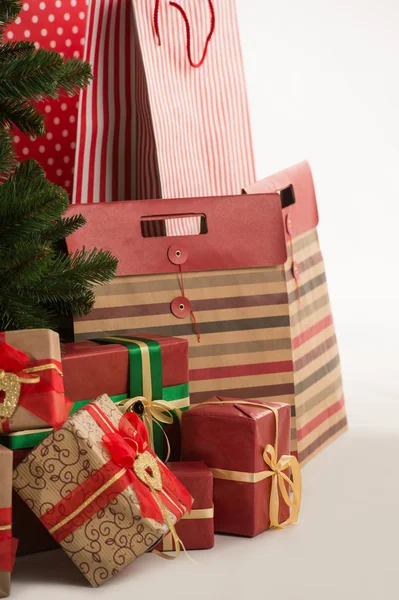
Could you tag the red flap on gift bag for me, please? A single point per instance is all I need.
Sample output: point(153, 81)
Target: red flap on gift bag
point(297, 194)
point(235, 237)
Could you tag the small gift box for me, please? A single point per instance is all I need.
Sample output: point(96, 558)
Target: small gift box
point(31, 380)
point(246, 444)
point(8, 544)
point(100, 491)
point(148, 371)
point(196, 529)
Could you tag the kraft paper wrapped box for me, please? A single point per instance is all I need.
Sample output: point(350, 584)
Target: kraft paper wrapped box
point(105, 502)
point(31, 377)
point(196, 529)
point(151, 368)
point(8, 544)
point(246, 445)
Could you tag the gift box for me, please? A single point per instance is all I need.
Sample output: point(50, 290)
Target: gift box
point(152, 369)
point(31, 534)
point(8, 544)
point(246, 444)
point(31, 380)
point(196, 529)
point(100, 491)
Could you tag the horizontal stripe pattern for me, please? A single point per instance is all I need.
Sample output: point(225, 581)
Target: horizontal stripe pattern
point(319, 402)
point(257, 339)
point(220, 300)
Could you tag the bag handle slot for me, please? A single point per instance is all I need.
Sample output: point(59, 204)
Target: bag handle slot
point(184, 225)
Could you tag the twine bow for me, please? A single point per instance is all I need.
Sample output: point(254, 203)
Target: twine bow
point(152, 412)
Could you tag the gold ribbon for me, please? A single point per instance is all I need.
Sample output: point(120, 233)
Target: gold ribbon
point(277, 467)
point(197, 513)
point(154, 411)
point(5, 527)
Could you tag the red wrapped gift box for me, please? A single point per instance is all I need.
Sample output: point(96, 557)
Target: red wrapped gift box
point(151, 368)
point(235, 438)
point(196, 529)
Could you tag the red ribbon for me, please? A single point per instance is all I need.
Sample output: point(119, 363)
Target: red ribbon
point(45, 399)
point(8, 544)
point(123, 443)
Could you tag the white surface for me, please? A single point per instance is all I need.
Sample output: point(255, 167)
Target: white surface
point(323, 85)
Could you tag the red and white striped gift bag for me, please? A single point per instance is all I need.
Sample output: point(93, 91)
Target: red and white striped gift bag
point(153, 124)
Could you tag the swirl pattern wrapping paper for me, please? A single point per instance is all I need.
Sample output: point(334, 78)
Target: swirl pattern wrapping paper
point(114, 535)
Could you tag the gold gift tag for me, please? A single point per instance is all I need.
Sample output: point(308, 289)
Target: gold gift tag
point(10, 384)
point(147, 470)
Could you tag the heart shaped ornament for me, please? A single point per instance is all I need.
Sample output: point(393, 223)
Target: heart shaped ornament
point(147, 470)
point(10, 384)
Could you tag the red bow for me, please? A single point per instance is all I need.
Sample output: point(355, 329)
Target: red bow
point(132, 439)
point(44, 396)
point(125, 445)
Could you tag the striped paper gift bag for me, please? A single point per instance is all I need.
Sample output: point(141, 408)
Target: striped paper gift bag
point(319, 408)
point(167, 112)
point(254, 330)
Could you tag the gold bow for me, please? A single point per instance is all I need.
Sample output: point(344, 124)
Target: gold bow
point(279, 481)
point(277, 468)
point(153, 411)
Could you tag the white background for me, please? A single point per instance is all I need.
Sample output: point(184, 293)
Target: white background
point(323, 84)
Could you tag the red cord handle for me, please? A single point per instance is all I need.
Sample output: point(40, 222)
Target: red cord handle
point(188, 30)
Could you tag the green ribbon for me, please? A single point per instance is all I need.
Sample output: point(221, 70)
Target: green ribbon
point(145, 374)
point(23, 440)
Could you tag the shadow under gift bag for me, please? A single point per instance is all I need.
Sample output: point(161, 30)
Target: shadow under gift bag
point(167, 112)
point(230, 292)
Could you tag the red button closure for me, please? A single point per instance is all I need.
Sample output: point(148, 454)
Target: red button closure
point(295, 270)
point(288, 224)
point(181, 307)
point(177, 254)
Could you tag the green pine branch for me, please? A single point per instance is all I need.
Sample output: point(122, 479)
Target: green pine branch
point(7, 156)
point(15, 50)
point(21, 115)
point(39, 283)
point(9, 11)
point(62, 228)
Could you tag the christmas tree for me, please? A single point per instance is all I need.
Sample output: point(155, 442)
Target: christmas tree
point(39, 280)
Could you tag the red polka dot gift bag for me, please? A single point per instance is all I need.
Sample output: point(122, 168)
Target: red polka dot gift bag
point(55, 25)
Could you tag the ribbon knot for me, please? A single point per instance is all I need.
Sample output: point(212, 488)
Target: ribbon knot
point(152, 412)
point(128, 447)
point(13, 373)
point(280, 482)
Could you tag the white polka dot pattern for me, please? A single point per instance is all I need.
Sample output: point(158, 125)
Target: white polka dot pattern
point(56, 25)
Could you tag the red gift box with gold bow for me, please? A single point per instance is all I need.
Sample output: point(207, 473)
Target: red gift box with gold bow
point(100, 490)
point(31, 382)
point(246, 445)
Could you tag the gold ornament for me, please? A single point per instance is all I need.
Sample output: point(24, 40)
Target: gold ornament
point(147, 470)
point(10, 384)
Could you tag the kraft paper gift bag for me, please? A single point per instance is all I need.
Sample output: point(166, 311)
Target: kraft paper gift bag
point(258, 323)
point(319, 412)
point(167, 113)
